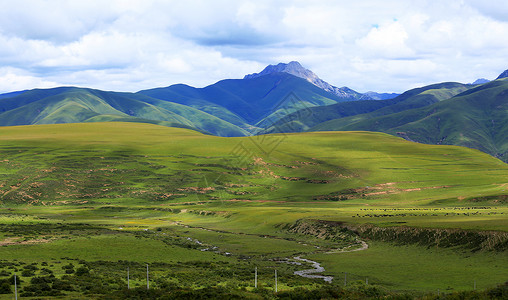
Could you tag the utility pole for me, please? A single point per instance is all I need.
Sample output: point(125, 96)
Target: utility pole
point(147, 280)
point(15, 288)
point(128, 279)
point(345, 278)
point(474, 287)
point(256, 278)
point(276, 280)
point(367, 280)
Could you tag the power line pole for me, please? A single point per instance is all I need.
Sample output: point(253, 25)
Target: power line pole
point(276, 281)
point(147, 280)
point(256, 278)
point(15, 288)
point(345, 278)
point(128, 279)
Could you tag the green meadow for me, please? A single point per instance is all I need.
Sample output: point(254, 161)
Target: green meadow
point(82, 203)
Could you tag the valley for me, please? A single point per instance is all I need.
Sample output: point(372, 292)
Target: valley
point(84, 203)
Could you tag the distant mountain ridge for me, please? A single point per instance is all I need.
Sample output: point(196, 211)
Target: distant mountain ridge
point(503, 75)
point(346, 113)
point(378, 96)
point(296, 69)
point(470, 116)
point(231, 107)
point(79, 105)
point(480, 81)
point(285, 98)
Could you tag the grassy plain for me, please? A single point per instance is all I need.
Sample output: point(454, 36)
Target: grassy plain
point(205, 211)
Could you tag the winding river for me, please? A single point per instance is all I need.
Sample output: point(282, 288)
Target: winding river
point(309, 273)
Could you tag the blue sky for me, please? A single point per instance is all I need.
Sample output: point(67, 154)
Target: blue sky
point(129, 45)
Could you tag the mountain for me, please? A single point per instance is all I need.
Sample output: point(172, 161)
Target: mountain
point(296, 69)
point(284, 98)
point(503, 75)
point(76, 105)
point(378, 96)
point(11, 94)
point(345, 113)
point(476, 118)
point(252, 101)
point(480, 81)
point(234, 107)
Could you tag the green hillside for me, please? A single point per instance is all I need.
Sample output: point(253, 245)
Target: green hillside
point(296, 167)
point(227, 108)
point(351, 112)
point(251, 100)
point(83, 204)
point(477, 118)
point(74, 105)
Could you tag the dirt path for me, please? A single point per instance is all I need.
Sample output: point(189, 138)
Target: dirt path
point(16, 241)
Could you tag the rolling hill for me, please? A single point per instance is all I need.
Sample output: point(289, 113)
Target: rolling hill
point(476, 118)
point(350, 112)
point(75, 105)
point(146, 163)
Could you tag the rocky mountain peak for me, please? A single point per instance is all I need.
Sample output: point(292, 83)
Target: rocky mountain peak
point(293, 68)
point(296, 69)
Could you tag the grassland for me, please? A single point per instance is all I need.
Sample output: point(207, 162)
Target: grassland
point(204, 211)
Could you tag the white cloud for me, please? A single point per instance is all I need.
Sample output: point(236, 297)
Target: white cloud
point(135, 44)
point(387, 41)
point(12, 79)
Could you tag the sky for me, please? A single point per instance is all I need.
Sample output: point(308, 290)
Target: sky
point(367, 45)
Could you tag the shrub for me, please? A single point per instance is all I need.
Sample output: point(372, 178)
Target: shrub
point(5, 288)
point(27, 273)
point(82, 271)
point(46, 271)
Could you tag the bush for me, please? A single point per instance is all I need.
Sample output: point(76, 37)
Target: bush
point(5, 288)
point(82, 271)
point(46, 271)
point(62, 285)
point(27, 273)
point(31, 267)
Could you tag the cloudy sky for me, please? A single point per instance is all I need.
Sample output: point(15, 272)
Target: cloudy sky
point(128, 45)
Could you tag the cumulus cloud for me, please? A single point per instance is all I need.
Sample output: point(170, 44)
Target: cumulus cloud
point(129, 45)
point(13, 79)
point(388, 41)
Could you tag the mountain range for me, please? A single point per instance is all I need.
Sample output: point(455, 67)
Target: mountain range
point(285, 98)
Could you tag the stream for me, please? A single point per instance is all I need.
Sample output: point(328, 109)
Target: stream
point(309, 273)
